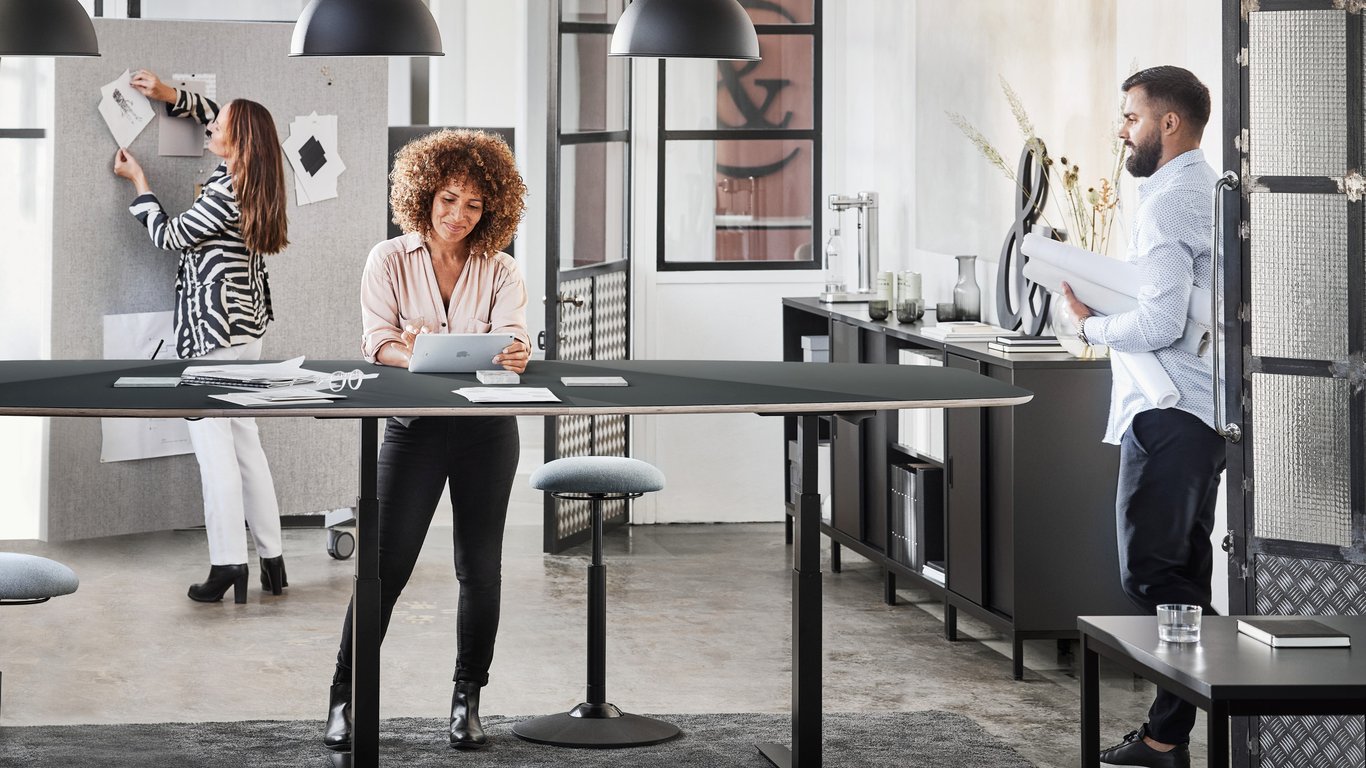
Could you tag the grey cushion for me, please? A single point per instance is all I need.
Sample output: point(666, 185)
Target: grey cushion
point(597, 474)
point(29, 577)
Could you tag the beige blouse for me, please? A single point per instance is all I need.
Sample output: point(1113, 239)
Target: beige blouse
point(398, 289)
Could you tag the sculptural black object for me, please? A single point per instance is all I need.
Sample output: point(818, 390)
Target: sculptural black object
point(1020, 304)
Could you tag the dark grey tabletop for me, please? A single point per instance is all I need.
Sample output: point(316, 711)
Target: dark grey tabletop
point(85, 388)
point(1228, 666)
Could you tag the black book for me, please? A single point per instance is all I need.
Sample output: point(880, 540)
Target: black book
point(1027, 341)
point(1285, 632)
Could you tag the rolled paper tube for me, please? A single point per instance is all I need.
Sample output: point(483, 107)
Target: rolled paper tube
point(1117, 276)
point(1194, 339)
point(1148, 374)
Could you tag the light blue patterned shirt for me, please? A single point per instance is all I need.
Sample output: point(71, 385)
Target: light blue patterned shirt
point(1170, 245)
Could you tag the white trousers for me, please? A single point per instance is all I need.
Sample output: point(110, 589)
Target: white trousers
point(236, 479)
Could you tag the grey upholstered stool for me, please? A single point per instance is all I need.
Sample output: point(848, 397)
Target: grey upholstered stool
point(596, 723)
point(29, 579)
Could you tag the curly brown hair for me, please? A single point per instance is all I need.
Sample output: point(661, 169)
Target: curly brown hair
point(430, 163)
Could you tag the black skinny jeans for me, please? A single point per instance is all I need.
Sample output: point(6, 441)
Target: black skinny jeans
point(477, 456)
point(1169, 466)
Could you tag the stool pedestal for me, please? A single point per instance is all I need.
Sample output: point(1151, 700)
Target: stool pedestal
point(596, 724)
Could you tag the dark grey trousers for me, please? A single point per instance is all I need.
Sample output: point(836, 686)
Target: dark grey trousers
point(1169, 466)
point(476, 457)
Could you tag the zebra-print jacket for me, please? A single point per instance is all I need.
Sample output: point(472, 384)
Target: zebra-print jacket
point(222, 289)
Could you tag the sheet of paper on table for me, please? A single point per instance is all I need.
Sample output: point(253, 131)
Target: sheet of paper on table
point(507, 394)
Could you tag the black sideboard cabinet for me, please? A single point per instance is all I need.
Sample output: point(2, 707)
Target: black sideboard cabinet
point(1028, 492)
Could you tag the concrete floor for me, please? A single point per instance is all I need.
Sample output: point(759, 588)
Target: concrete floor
point(698, 622)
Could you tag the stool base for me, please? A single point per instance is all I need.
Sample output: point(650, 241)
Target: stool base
point(595, 726)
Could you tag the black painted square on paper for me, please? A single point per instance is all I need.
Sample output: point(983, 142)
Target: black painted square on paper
point(312, 156)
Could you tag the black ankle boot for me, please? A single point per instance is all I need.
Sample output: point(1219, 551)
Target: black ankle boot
point(220, 578)
point(466, 732)
point(337, 736)
point(273, 578)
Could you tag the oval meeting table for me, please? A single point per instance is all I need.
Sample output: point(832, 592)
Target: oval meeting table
point(84, 388)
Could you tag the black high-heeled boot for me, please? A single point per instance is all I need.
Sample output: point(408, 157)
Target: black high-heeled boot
point(273, 577)
point(337, 735)
point(466, 732)
point(220, 578)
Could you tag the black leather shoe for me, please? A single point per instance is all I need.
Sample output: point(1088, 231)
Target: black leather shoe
point(220, 578)
point(1133, 751)
point(466, 732)
point(273, 578)
point(337, 736)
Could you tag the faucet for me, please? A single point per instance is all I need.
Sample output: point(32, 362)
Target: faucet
point(866, 205)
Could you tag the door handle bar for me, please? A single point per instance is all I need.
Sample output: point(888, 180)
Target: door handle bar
point(1230, 432)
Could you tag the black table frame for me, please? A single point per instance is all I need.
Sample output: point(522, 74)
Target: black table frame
point(806, 390)
point(1106, 636)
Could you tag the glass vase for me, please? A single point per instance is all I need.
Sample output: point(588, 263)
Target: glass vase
point(967, 296)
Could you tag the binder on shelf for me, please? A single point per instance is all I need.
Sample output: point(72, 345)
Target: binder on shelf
point(917, 519)
point(816, 349)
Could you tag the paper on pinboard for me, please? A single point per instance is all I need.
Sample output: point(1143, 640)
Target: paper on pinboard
point(139, 336)
point(124, 109)
point(183, 136)
point(313, 156)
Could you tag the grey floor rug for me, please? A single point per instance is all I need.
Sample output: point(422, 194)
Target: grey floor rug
point(854, 740)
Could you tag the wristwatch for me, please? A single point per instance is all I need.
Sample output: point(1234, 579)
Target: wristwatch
point(1081, 331)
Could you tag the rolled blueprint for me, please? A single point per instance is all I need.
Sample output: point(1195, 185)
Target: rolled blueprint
point(1108, 286)
point(1194, 340)
point(1148, 374)
point(1118, 276)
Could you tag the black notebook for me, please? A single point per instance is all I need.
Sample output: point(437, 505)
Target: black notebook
point(1284, 632)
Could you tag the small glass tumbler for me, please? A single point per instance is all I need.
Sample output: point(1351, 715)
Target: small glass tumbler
point(879, 309)
point(909, 310)
point(1178, 623)
point(945, 312)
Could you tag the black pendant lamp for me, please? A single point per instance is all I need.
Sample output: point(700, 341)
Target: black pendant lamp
point(685, 29)
point(46, 28)
point(366, 28)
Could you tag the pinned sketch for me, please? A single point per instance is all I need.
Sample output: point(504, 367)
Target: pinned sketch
point(313, 156)
point(185, 136)
point(141, 336)
point(124, 110)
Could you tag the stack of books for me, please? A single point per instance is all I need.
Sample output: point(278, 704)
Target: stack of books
point(1014, 345)
point(966, 331)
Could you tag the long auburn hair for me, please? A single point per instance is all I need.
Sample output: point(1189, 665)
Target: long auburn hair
point(258, 177)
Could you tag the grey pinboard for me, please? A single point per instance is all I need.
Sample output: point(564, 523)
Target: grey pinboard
point(103, 262)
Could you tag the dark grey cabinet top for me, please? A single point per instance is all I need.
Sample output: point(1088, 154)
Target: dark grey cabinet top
point(857, 314)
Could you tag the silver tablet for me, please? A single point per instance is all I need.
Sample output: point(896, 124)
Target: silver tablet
point(456, 352)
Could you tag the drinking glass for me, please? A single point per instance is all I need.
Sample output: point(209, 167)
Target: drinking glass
point(878, 309)
point(1178, 623)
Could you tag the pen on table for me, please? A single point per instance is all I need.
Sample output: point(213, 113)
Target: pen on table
point(158, 349)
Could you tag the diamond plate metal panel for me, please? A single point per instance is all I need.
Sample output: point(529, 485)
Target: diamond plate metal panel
point(609, 316)
point(1299, 259)
point(573, 437)
point(1297, 93)
point(1291, 586)
point(1301, 454)
point(576, 323)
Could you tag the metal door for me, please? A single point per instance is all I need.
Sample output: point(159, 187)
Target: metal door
point(587, 236)
point(1294, 293)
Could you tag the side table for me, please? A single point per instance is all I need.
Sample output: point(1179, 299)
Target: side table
point(1226, 673)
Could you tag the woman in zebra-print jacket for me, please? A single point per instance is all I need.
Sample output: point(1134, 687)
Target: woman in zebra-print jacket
point(221, 310)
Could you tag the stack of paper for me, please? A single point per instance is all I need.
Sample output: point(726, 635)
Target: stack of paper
point(286, 396)
point(289, 373)
point(507, 394)
point(965, 331)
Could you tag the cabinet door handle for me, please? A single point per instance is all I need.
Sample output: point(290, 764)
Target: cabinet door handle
point(1230, 432)
point(948, 470)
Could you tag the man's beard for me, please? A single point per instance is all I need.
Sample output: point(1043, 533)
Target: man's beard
point(1143, 158)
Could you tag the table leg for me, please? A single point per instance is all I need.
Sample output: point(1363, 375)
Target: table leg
point(365, 623)
point(1218, 735)
point(806, 616)
point(1090, 705)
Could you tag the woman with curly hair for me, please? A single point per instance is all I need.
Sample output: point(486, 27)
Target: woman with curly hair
point(459, 198)
point(221, 311)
